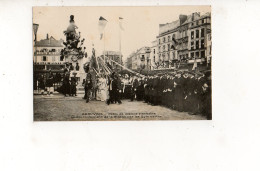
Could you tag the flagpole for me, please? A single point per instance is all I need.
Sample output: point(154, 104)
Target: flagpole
point(120, 56)
point(104, 44)
point(94, 53)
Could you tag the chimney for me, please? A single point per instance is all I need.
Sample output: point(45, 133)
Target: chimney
point(182, 18)
point(47, 37)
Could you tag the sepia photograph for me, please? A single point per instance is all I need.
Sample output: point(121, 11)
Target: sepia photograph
point(122, 63)
point(129, 85)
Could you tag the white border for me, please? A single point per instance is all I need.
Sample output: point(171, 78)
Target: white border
point(229, 142)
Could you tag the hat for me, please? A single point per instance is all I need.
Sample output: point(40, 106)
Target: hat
point(86, 68)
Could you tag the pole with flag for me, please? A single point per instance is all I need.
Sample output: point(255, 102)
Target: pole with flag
point(120, 28)
point(95, 58)
point(101, 26)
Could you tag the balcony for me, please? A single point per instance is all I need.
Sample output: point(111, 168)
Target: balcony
point(191, 61)
point(182, 39)
point(49, 63)
point(46, 53)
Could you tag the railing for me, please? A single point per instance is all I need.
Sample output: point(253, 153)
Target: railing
point(46, 53)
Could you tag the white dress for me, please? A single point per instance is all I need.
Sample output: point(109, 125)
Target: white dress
point(98, 97)
point(103, 89)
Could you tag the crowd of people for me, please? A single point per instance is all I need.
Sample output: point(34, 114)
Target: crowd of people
point(181, 91)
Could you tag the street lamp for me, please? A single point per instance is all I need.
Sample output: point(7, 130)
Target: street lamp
point(35, 29)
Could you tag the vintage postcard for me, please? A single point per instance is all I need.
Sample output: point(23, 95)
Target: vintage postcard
point(122, 63)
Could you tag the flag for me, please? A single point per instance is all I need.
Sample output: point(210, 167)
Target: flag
point(93, 59)
point(101, 25)
point(120, 23)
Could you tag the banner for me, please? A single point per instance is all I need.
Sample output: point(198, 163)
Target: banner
point(120, 23)
point(101, 26)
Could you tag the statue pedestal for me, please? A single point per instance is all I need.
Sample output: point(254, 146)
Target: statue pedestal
point(80, 74)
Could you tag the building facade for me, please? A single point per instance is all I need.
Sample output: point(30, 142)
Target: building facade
point(140, 60)
point(115, 56)
point(167, 44)
point(154, 55)
point(184, 41)
point(199, 29)
point(129, 63)
point(209, 49)
point(47, 55)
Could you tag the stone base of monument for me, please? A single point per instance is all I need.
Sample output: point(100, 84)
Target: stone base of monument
point(80, 89)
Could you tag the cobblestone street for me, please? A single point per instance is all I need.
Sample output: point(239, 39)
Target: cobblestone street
point(60, 108)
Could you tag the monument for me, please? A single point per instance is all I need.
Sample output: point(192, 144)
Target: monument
point(73, 53)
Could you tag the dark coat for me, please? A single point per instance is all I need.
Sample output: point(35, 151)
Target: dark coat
point(88, 81)
point(49, 81)
point(41, 83)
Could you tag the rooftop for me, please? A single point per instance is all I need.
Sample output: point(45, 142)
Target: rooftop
point(185, 20)
point(49, 42)
point(168, 26)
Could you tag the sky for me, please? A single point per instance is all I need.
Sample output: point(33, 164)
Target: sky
point(141, 24)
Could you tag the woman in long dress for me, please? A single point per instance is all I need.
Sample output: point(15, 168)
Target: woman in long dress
point(104, 89)
point(98, 96)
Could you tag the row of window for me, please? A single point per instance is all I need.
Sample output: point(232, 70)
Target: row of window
point(194, 34)
point(196, 45)
point(183, 46)
point(166, 55)
point(169, 39)
point(48, 50)
point(163, 48)
point(198, 33)
point(185, 32)
point(198, 54)
point(53, 59)
point(199, 22)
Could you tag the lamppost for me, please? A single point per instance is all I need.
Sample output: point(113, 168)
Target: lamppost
point(35, 29)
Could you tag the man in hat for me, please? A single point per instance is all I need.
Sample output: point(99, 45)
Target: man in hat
point(110, 89)
point(191, 96)
point(134, 88)
point(179, 92)
point(207, 111)
point(87, 83)
point(74, 83)
point(155, 84)
point(171, 92)
point(66, 79)
point(113, 89)
point(121, 87)
point(117, 88)
point(66, 84)
point(146, 86)
point(185, 85)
